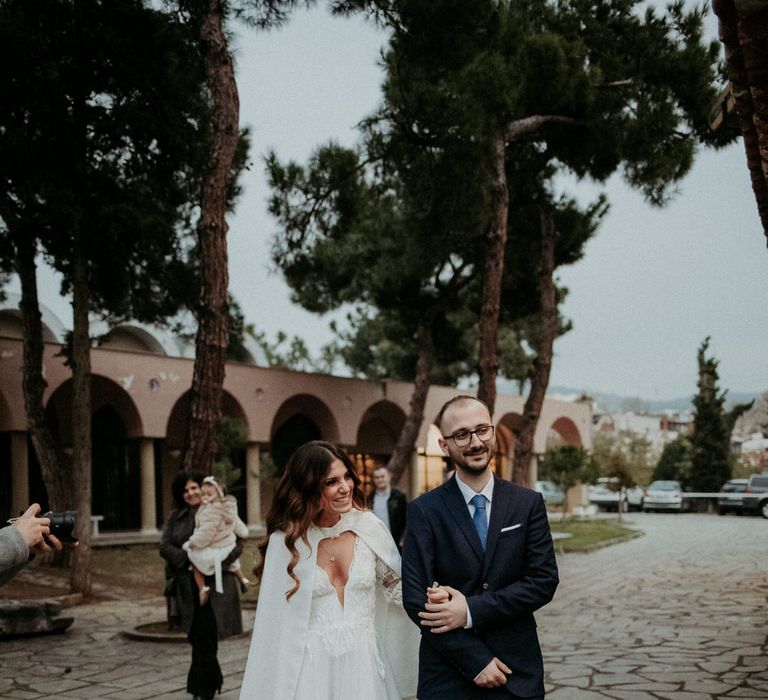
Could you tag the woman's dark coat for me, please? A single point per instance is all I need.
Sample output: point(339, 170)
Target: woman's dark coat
point(180, 585)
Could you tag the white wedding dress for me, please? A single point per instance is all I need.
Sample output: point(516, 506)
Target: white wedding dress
point(310, 646)
point(343, 659)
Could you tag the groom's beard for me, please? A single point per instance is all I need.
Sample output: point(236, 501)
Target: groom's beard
point(477, 467)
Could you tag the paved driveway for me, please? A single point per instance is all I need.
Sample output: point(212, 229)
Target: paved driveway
point(679, 613)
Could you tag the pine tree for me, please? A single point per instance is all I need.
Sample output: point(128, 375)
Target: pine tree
point(209, 19)
point(387, 229)
point(594, 86)
point(104, 116)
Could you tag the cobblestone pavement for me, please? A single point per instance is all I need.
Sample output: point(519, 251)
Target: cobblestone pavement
point(679, 613)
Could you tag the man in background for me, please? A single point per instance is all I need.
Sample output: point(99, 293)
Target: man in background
point(388, 504)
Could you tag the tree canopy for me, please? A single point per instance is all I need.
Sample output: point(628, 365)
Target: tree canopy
point(436, 227)
point(586, 87)
point(675, 462)
point(105, 122)
point(104, 129)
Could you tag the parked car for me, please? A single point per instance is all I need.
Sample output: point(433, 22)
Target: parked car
point(756, 494)
point(605, 494)
point(552, 493)
point(635, 497)
point(732, 505)
point(665, 495)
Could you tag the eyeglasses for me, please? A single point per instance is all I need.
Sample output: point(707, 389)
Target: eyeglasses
point(462, 438)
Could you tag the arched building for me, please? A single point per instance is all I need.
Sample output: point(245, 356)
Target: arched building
point(140, 388)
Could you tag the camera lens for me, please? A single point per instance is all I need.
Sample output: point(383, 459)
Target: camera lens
point(63, 524)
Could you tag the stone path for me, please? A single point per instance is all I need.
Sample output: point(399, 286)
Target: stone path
point(679, 613)
point(94, 660)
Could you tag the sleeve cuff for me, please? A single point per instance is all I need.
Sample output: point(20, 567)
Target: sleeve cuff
point(16, 549)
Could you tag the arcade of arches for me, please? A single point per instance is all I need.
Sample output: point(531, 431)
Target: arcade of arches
point(140, 406)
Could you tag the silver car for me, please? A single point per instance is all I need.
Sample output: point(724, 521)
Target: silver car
point(665, 495)
point(756, 494)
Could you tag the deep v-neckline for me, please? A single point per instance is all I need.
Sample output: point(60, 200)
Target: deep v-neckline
point(349, 572)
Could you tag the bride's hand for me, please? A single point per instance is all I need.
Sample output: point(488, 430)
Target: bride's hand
point(448, 614)
point(437, 595)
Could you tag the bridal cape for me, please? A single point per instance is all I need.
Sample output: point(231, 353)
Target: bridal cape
point(281, 626)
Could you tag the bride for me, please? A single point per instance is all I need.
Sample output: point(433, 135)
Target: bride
point(329, 623)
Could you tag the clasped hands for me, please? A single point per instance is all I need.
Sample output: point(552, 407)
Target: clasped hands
point(446, 610)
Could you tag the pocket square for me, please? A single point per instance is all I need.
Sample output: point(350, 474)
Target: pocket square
point(511, 527)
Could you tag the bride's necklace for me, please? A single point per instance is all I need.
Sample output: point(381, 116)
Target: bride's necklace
point(332, 533)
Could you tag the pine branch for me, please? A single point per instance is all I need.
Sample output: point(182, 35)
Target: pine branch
point(531, 125)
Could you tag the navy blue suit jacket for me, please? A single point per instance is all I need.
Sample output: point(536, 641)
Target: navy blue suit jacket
point(516, 575)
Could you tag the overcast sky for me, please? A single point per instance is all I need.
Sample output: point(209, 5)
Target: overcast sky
point(652, 284)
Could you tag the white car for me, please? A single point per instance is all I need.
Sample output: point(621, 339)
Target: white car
point(605, 494)
point(552, 493)
point(665, 495)
point(635, 497)
point(602, 496)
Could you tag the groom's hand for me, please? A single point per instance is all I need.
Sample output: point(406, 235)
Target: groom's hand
point(448, 615)
point(493, 675)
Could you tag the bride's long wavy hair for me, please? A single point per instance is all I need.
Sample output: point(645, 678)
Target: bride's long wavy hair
point(297, 500)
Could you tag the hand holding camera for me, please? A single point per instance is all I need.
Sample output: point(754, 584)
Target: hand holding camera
point(46, 533)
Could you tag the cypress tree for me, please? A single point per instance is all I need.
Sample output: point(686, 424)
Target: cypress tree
point(710, 463)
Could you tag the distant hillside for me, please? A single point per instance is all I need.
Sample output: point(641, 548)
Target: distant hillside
point(617, 402)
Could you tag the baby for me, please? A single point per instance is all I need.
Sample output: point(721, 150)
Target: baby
point(217, 526)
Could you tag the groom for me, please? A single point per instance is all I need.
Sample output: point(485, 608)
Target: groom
point(486, 543)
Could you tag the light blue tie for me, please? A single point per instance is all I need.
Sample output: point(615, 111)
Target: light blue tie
point(479, 517)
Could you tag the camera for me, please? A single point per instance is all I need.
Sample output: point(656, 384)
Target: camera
point(62, 524)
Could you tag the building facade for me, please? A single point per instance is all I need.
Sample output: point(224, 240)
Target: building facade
point(140, 404)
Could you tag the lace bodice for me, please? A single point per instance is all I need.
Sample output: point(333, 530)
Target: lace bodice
point(338, 626)
point(344, 657)
point(365, 648)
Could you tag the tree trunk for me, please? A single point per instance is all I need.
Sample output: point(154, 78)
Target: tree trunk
point(753, 38)
point(526, 427)
point(401, 455)
point(80, 349)
point(212, 333)
point(58, 482)
point(488, 364)
point(80, 360)
point(494, 271)
point(747, 69)
point(566, 506)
